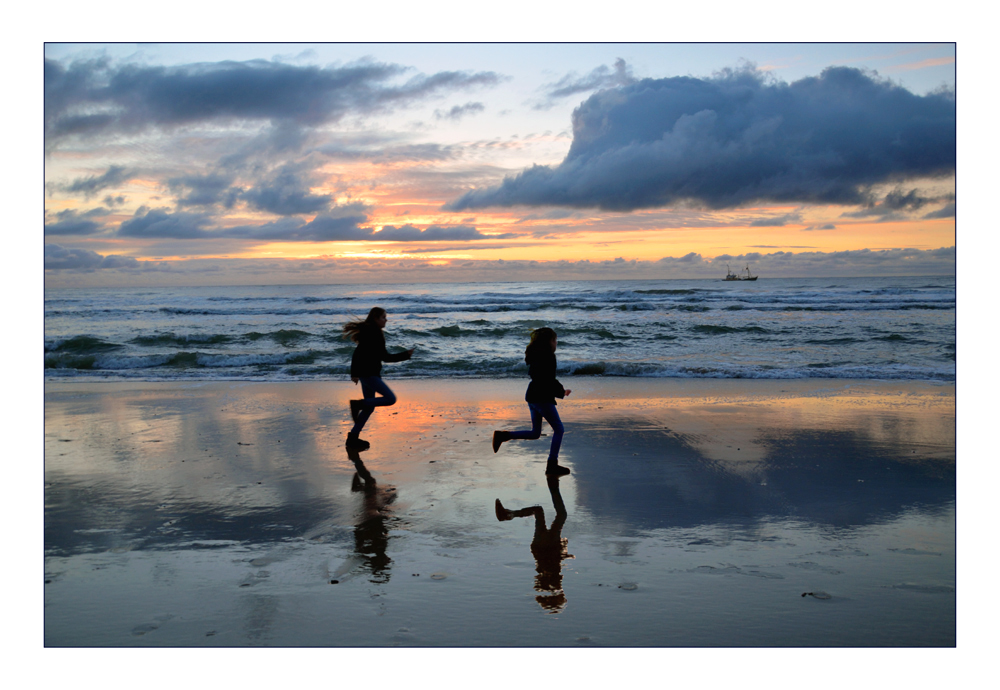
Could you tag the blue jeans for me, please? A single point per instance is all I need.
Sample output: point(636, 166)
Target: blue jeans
point(370, 385)
point(546, 411)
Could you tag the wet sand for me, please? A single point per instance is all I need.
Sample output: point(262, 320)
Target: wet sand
point(698, 514)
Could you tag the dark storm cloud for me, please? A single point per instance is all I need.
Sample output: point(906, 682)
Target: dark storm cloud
point(159, 223)
point(459, 111)
point(65, 258)
point(738, 138)
point(93, 97)
point(602, 77)
point(89, 186)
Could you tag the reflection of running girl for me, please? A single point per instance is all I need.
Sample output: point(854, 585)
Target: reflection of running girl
point(366, 368)
point(541, 395)
point(548, 547)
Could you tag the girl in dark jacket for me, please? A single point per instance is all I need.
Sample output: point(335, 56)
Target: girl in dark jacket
point(540, 357)
point(366, 368)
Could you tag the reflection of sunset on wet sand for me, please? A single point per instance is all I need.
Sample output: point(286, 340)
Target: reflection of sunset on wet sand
point(231, 514)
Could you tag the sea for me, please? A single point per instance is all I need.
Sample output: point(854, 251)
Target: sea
point(782, 328)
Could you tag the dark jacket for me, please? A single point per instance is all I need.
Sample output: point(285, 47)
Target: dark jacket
point(544, 388)
point(370, 353)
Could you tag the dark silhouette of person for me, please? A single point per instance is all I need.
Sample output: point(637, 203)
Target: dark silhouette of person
point(540, 356)
point(366, 368)
point(371, 534)
point(548, 546)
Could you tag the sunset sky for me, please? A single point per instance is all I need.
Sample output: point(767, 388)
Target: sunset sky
point(201, 164)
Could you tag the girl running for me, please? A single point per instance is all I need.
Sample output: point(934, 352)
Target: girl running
point(540, 357)
point(366, 368)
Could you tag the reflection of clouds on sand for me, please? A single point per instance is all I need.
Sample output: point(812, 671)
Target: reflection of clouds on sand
point(732, 430)
point(847, 455)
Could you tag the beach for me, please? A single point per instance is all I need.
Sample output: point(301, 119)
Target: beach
point(699, 513)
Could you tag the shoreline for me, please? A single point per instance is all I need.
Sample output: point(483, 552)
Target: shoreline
point(55, 384)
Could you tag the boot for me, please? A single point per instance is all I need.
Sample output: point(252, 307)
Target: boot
point(498, 438)
point(502, 513)
point(356, 443)
point(554, 469)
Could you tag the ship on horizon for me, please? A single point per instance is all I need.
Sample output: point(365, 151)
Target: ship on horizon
point(742, 275)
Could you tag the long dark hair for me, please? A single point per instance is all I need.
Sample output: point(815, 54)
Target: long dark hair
point(541, 338)
point(352, 329)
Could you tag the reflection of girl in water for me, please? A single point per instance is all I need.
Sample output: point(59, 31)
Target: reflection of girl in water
point(366, 368)
point(371, 534)
point(541, 395)
point(548, 546)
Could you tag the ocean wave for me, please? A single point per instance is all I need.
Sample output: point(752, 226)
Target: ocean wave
point(80, 345)
point(172, 340)
point(726, 330)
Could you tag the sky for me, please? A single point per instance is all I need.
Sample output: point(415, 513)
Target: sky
point(188, 163)
point(265, 163)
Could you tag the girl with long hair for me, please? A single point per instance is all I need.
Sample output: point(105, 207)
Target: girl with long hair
point(366, 368)
point(540, 356)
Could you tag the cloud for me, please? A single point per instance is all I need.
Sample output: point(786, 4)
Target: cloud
point(63, 258)
point(947, 211)
point(204, 190)
point(160, 223)
point(432, 233)
point(893, 262)
point(459, 111)
point(340, 224)
point(857, 262)
point(552, 214)
point(73, 227)
point(738, 138)
point(344, 223)
point(895, 205)
point(286, 194)
point(72, 222)
point(87, 98)
point(602, 77)
point(322, 228)
point(776, 221)
point(382, 148)
point(89, 186)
